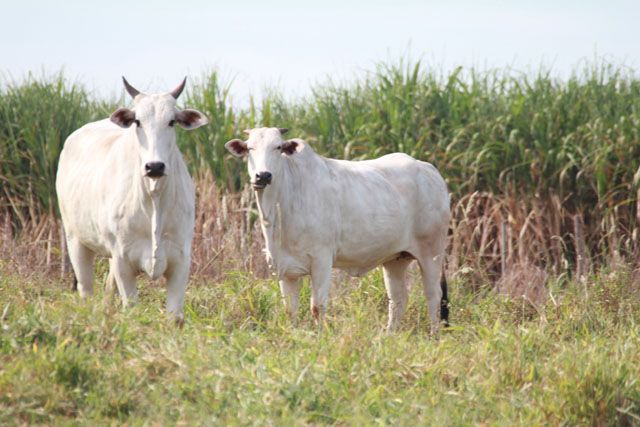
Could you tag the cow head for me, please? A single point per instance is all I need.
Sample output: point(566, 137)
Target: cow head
point(266, 151)
point(154, 117)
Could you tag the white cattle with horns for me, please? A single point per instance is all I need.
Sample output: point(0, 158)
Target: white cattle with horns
point(317, 213)
point(125, 193)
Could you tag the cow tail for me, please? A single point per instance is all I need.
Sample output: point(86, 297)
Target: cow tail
point(444, 302)
point(74, 287)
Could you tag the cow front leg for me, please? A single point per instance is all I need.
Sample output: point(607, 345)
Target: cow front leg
point(125, 279)
point(177, 276)
point(320, 285)
point(290, 289)
point(111, 287)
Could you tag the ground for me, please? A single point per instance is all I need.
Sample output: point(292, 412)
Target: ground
point(573, 359)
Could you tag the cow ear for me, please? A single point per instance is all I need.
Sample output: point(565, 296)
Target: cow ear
point(191, 119)
point(289, 147)
point(123, 117)
point(237, 147)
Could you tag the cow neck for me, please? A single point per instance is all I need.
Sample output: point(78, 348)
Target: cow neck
point(150, 196)
point(267, 201)
point(270, 221)
point(271, 203)
point(156, 231)
point(284, 197)
point(163, 194)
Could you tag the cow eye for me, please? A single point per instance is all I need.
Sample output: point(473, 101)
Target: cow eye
point(279, 147)
point(171, 123)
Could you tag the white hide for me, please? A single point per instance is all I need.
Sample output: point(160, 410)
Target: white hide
point(319, 213)
point(110, 208)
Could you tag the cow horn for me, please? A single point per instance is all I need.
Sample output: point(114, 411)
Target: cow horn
point(132, 90)
point(283, 130)
point(177, 91)
point(246, 131)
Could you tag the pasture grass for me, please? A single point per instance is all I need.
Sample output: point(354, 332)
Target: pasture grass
point(239, 360)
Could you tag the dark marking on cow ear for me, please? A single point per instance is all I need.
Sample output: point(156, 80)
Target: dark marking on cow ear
point(123, 117)
point(289, 147)
point(237, 147)
point(191, 119)
point(283, 130)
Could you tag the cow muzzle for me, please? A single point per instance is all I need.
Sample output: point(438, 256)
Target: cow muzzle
point(262, 180)
point(154, 169)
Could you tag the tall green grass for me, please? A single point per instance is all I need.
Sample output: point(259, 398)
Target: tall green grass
point(494, 130)
point(525, 135)
point(36, 116)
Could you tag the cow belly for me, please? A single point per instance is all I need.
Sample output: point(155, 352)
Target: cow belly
point(356, 271)
point(366, 251)
point(359, 267)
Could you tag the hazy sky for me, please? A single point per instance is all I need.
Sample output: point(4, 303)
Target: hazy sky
point(290, 45)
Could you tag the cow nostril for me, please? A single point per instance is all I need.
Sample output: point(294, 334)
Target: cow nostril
point(263, 177)
point(154, 169)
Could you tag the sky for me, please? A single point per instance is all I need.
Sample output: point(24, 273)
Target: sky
point(290, 46)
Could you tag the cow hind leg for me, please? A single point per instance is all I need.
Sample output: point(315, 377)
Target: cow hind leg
point(431, 267)
point(394, 273)
point(82, 262)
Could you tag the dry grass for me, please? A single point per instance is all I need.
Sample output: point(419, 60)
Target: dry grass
point(510, 242)
point(525, 281)
point(227, 233)
point(227, 237)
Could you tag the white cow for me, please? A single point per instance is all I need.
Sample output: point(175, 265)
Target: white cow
point(318, 213)
point(125, 193)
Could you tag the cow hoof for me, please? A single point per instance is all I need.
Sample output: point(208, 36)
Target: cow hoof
point(84, 294)
point(315, 311)
point(434, 334)
point(179, 322)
